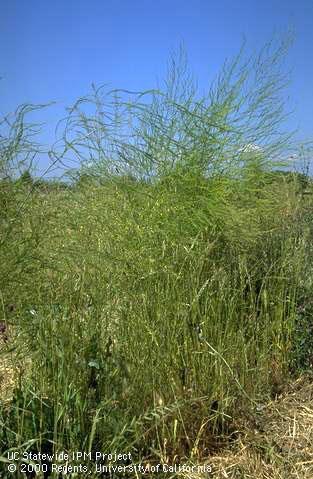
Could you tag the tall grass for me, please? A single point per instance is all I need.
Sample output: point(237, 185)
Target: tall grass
point(157, 297)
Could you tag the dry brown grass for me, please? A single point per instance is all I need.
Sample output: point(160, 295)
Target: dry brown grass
point(7, 371)
point(278, 444)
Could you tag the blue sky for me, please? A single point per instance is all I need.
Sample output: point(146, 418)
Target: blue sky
point(54, 50)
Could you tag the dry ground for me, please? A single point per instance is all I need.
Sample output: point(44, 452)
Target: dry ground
point(279, 442)
point(7, 371)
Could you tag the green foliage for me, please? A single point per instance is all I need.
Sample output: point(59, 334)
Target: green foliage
point(302, 357)
point(160, 292)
